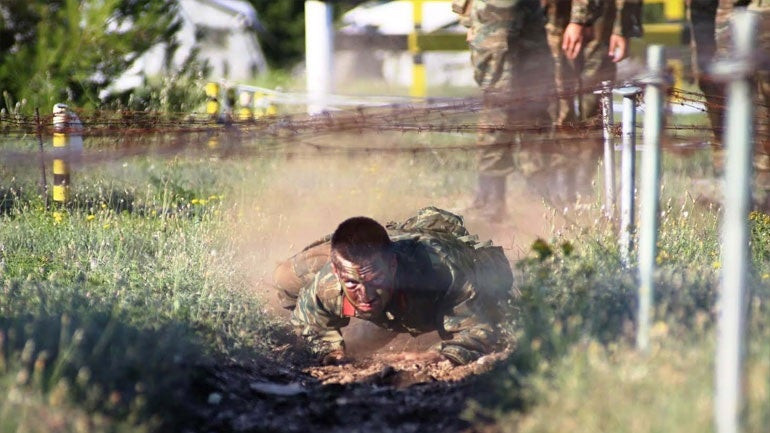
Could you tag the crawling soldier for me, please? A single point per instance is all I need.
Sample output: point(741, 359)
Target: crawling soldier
point(427, 274)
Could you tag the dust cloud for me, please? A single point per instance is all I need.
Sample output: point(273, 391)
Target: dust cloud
point(302, 195)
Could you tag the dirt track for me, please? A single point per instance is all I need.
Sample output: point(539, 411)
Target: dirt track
point(383, 393)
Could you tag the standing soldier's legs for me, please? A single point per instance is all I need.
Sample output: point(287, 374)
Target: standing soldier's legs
point(762, 133)
point(701, 15)
point(513, 67)
point(565, 74)
point(724, 42)
point(597, 66)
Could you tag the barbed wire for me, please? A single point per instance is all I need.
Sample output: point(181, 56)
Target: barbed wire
point(461, 116)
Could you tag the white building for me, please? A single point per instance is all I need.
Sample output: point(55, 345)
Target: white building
point(222, 31)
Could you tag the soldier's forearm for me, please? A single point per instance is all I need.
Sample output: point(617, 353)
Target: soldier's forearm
point(628, 19)
point(584, 12)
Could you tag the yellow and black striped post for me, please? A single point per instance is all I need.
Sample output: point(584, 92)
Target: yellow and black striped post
point(61, 166)
point(419, 83)
point(212, 99)
point(245, 113)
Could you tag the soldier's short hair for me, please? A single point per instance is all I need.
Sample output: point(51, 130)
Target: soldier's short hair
point(359, 239)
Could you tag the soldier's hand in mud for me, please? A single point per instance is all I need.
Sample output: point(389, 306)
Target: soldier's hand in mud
point(335, 357)
point(618, 48)
point(575, 35)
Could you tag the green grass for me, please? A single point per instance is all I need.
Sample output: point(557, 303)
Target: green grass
point(159, 265)
point(109, 305)
point(575, 367)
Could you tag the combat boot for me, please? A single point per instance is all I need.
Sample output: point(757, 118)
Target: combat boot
point(496, 209)
point(481, 194)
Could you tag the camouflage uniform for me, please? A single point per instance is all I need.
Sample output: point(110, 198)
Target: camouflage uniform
point(593, 65)
point(445, 281)
point(701, 15)
point(513, 67)
point(762, 79)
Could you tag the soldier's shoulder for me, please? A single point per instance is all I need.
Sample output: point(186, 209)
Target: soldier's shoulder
point(328, 290)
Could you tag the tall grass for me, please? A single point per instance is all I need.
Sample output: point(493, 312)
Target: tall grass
point(575, 367)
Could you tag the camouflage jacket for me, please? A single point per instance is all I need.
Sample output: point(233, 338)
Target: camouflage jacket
point(436, 289)
point(627, 20)
point(581, 11)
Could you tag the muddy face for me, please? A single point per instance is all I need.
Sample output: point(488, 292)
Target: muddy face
point(367, 285)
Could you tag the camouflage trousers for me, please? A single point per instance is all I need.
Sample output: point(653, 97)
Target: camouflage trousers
point(724, 46)
point(762, 77)
point(579, 77)
point(513, 67)
point(701, 16)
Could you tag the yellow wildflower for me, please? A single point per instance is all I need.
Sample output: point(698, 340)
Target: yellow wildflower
point(716, 265)
point(659, 329)
point(90, 217)
point(765, 276)
point(194, 201)
point(58, 217)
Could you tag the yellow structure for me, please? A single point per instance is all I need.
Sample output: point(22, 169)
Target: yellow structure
point(419, 87)
point(212, 99)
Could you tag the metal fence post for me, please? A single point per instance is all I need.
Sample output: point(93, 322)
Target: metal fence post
point(728, 400)
point(627, 171)
point(609, 148)
point(650, 190)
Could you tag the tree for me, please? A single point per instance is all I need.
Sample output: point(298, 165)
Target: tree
point(59, 50)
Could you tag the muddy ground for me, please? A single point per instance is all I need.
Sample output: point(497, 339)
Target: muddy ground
point(382, 393)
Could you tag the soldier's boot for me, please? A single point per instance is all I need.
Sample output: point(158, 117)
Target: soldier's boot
point(480, 196)
point(718, 160)
point(496, 209)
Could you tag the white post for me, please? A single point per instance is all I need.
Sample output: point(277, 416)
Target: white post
point(319, 52)
point(736, 267)
point(609, 149)
point(627, 172)
point(650, 190)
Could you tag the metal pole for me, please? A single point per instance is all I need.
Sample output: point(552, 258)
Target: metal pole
point(43, 180)
point(319, 52)
point(650, 190)
point(609, 148)
point(728, 401)
point(627, 171)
